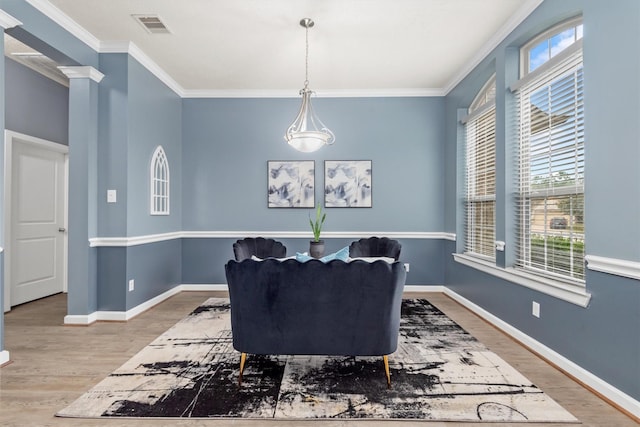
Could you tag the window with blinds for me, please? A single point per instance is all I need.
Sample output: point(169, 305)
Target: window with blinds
point(159, 183)
point(480, 198)
point(550, 207)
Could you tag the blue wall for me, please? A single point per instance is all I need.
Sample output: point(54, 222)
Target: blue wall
point(83, 178)
point(203, 259)
point(137, 113)
point(603, 337)
point(227, 143)
point(154, 267)
point(612, 126)
point(226, 146)
point(155, 118)
point(35, 104)
point(113, 144)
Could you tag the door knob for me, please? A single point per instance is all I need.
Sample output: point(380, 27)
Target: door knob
point(62, 229)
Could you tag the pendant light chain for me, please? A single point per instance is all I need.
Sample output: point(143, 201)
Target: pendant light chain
point(306, 58)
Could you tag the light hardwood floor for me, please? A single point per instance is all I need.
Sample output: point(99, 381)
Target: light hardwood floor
point(52, 365)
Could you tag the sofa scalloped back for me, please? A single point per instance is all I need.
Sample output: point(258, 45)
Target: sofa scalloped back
point(313, 308)
point(375, 247)
point(258, 246)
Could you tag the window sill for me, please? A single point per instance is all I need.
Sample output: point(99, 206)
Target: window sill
point(577, 295)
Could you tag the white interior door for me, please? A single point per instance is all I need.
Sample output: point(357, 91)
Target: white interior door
point(38, 203)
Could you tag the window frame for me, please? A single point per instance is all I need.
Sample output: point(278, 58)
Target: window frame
point(481, 109)
point(557, 68)
point(571, 291)
point(546, 35)
point(159, 183)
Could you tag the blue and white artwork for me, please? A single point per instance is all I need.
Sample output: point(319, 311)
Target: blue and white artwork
point(347, 183)
point(291, 184)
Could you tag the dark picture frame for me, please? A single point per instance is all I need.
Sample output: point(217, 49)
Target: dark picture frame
point(291, 184)
point(348, 183)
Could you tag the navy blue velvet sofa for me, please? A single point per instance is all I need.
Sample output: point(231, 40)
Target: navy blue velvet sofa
point(313, 308)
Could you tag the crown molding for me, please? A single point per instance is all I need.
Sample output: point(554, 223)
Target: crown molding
point(82, 72)
point(118, 46)
point(85, 36)
point(115, 46)
point(382, 93)
point(123, 46)
point(330, 93)
point(7, 21)
point(516, 19)
point(60, 18)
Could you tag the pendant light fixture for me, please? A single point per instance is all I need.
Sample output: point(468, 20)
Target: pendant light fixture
point(307, 133)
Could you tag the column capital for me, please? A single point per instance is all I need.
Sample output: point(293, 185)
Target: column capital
point(82, 72)
point(7, 21)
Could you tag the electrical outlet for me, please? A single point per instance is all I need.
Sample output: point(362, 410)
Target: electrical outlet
point(132, 285)
point(535, 309)
point(112, 196)
point(406, 266)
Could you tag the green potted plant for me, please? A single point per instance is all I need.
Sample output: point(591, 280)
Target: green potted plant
point(316, 246)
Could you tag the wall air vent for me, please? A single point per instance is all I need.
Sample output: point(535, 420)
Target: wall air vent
point(152, 23)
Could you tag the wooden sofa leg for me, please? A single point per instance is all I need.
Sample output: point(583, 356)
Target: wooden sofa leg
point(385, 359)
point(243, 359)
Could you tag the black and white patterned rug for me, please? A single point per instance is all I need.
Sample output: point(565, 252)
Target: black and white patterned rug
point(439, 372)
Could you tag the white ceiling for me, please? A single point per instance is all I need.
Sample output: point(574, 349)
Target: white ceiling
point(356, 46)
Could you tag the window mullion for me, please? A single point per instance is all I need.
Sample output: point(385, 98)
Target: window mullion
point(551, 164)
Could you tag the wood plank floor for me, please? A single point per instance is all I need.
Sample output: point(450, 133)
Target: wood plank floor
point(52, 365)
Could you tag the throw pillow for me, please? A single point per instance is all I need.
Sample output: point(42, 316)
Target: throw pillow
point(303, 257)
point(342, 255)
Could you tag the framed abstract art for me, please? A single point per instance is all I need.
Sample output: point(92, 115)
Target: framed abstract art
point(291, 184)
point(347, 183)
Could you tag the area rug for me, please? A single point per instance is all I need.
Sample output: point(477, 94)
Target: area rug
point(439, 372)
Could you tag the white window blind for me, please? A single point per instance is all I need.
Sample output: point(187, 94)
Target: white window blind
point(159, 183)
point(551, 169)
point(481, 183)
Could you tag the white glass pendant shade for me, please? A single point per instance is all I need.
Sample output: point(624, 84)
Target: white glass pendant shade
point(307, 133)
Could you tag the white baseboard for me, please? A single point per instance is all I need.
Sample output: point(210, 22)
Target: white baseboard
point(224, 287)
point(210, 287)
point(123, 316)
point(4, 357)
point(424, 288)
point(80, 319)
point(616, 396)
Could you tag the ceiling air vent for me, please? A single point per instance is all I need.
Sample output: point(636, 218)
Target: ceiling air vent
point(152, 23)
